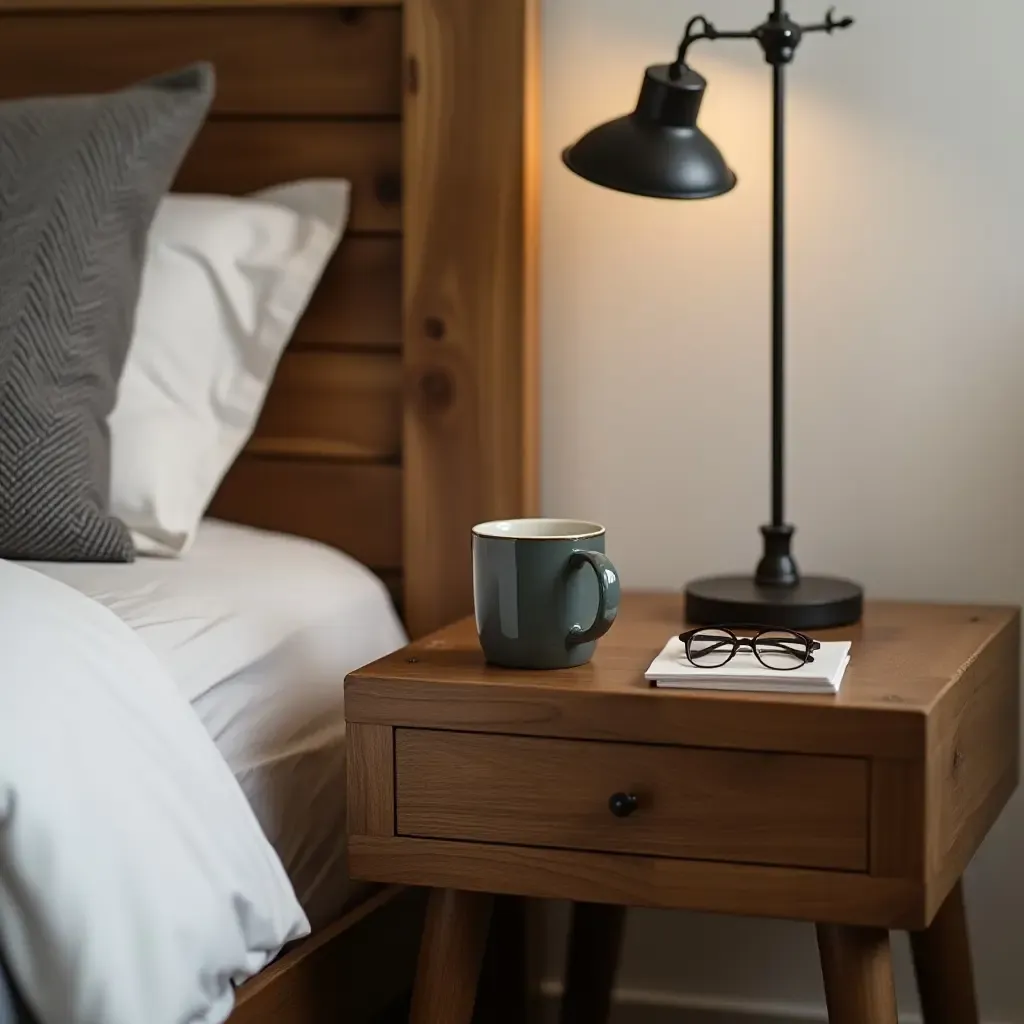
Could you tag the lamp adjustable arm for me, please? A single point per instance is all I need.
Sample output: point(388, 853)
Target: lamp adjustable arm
point(830, 24)
point(779, 36)
point(698, 28)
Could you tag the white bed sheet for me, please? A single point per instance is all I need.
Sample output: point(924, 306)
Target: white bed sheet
point(259, 630)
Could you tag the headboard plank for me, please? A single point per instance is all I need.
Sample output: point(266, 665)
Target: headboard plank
point(269, 62)
point(357, 508)
point(359, 303)
point(470, 260)
point(172, 5)
point(325, 404)
point(238, 155)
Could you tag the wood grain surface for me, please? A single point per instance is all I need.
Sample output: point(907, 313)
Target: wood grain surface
point(451, 953)
point(905, 657)
point(370, 764)
point(974, 759)
point(795, 893)
point(358, 306)
point(61, 6)
point(898, 829)
point(333, 404)
point(704, 804)
point(236, 156)
point(270, 62)
point(942, 963)
point(470, 260)
point(856, 965)
point(357, 508)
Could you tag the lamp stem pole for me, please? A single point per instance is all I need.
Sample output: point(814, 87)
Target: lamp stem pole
point(777, 567)
point(778, 293)
point(776, 596)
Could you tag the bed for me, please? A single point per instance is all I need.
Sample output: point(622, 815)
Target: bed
point(403, 411)
point(257, 628)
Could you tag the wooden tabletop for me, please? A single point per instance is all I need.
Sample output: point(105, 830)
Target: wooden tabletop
point(906, 661)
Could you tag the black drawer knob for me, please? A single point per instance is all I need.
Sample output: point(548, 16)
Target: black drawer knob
point(622, 805)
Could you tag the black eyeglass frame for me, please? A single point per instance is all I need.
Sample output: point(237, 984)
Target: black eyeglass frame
point(807, 648)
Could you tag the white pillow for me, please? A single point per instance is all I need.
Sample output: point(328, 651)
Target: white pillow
point(135, 883)
point(224, 285)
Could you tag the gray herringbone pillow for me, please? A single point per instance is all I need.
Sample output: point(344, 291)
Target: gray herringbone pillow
point(80, 181)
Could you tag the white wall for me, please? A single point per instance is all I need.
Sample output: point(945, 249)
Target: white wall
point(906, 361)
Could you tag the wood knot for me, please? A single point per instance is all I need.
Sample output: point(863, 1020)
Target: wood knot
point(351, 15)
point(958, 760)
point(412, 75)
point(437, 389)
point(434, 328)
point(387, 187)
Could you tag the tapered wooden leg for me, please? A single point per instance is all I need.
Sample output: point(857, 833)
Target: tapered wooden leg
point(942, 962)
point(452, 948)
point(856, 964)
point(593, 959)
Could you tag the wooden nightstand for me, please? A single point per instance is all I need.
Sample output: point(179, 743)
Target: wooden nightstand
point(857, 812)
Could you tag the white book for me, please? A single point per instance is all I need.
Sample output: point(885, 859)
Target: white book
point(672, 670)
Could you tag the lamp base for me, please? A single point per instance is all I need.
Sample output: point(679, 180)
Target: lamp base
point(816, 602)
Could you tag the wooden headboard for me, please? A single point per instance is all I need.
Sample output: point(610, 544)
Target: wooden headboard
point(404, 409)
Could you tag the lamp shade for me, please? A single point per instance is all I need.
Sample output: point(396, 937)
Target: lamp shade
point(658, 150)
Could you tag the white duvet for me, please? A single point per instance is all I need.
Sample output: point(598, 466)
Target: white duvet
point(135, 883)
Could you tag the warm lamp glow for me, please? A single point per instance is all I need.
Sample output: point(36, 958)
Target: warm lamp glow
point(659, 151)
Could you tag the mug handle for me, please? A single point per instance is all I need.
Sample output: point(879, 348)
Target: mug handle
point(607, 596)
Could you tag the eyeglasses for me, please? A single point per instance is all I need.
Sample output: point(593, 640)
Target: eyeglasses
point(779, 649)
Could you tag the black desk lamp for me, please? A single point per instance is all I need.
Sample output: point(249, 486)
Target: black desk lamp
point(659, 151)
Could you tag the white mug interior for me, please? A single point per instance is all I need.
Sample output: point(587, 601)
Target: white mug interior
point(539, 529)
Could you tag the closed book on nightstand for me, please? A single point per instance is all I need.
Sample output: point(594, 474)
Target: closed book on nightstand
point(672, 670)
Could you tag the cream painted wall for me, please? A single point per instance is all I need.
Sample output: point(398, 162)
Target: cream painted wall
point(906, 362)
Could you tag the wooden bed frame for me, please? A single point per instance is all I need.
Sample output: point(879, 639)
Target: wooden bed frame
point(404, 410)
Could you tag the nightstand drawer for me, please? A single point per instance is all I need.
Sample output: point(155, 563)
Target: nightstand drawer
point(758, 808)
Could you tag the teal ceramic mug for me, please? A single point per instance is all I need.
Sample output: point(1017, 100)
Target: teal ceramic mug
point(544, 591)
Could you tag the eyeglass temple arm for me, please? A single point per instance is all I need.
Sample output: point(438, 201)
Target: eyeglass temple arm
point(778, 36)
